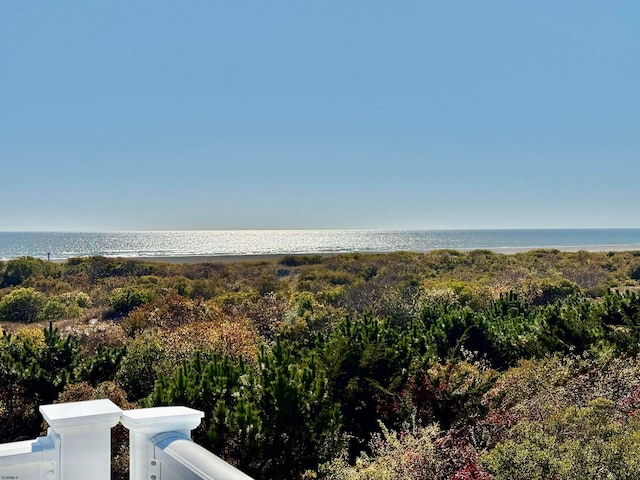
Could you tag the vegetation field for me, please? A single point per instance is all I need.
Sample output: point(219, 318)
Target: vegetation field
point(441, 365)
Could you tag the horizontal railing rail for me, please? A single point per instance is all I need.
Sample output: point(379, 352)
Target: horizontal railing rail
point(28, 459)
point(186, 460)
point(78, 446)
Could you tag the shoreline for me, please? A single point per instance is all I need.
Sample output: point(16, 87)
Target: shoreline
point(259, 246)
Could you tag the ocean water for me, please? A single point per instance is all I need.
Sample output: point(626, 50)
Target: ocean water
point(62, 245)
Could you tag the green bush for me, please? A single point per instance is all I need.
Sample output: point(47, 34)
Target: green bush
point(67, 305)
point(19, 269)
point(367, 364)
point(81, 299)
point(27, 305)
point(297, 260)
point(143, 363)
point(103, 364)
point(124, 300)
point(577, 442)
point(274, 422)
point(54, 309)
point(533, 457)
point(33, 371)
point(22, 305)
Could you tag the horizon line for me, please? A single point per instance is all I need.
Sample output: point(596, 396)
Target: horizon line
point(309, 229)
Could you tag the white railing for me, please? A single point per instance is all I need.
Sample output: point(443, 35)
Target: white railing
point(78, 445)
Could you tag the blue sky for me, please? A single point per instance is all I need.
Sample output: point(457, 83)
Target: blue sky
point(149, 115)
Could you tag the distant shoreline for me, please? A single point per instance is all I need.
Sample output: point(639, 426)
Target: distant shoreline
point(254, 245)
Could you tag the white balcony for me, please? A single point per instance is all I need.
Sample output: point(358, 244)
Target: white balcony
point(78, 445)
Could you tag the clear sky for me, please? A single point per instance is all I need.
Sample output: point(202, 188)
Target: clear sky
point(145, 115)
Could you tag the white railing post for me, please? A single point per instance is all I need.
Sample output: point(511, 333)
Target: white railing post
point(83, 440)
point(145, 423)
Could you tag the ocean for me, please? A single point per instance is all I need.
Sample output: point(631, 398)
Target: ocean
point(63, 245)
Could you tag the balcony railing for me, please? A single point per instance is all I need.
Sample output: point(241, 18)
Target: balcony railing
point(78, 446)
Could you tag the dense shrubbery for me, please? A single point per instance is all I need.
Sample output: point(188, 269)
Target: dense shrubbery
point(35, 366)
point(27, 305)
point(273, 419)
point(17, 271)
point(576, 442)
point(444, 365)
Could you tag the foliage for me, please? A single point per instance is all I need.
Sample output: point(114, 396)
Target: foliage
point(27, 305)
point(124, 300)
point(103, 364)
point(31, 335)
point(273, 422)
point(144, 361)
point(295, 260)
point(23, 305)
point(266, 311)
point(399, 365)
point(367, 364)
point(577, 442)
point(449, 394)
point(81, 299)
point(620, 313)
point(60, 307)
point(308, 317)
point(170, 311)
point(450, 328)
point(236, 338)
point(99, 267)
point(17, 271)
point(34, 370)
point(414, 453)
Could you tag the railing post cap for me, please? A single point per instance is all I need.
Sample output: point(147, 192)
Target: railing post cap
point(161, 419)
point(77, 415)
